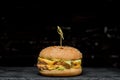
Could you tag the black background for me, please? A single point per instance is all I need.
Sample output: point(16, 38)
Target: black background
point(91, 26)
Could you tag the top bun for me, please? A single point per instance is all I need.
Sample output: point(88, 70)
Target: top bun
point(61, 52)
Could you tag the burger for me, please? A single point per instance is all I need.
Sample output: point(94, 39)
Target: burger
point(59, 61)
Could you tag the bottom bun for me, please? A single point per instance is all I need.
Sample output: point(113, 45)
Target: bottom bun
point(68, 72)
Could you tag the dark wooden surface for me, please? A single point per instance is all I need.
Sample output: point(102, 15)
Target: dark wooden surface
point(31, 73)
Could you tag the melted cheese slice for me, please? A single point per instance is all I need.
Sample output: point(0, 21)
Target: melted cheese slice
point(50, 67)
point(49, 62)
point(76, 64)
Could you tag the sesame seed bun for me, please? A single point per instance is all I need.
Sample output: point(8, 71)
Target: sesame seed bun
point(61, 52)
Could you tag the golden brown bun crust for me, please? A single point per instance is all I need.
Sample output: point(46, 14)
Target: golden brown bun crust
point(61, 52)
point(67, 72)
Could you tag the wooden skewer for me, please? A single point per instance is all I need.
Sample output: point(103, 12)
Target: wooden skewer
point(59, 30)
